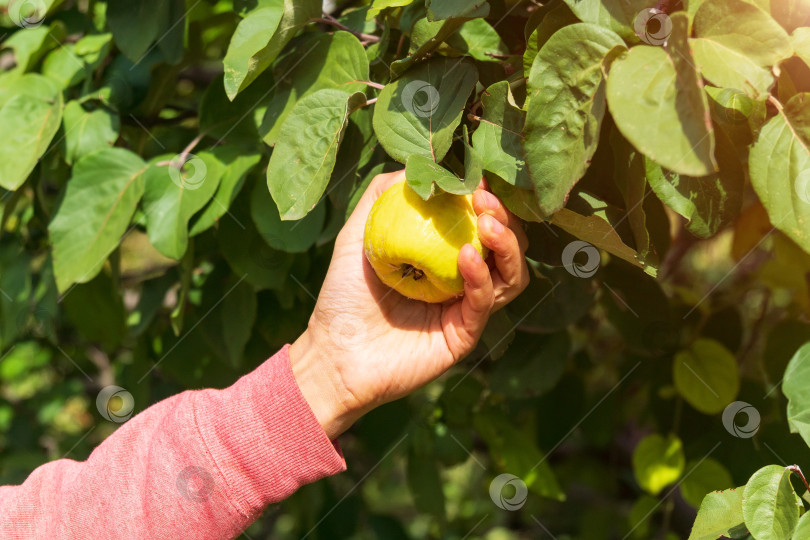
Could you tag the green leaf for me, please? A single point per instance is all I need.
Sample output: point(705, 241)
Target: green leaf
point(735, 43)
point(477, 38)
point(616, 15)
point(29, 122)
point(30, 44)
point(800, 40)
point(135, 24)
point(559, 16)
point(260, 37)
point(96, 309)
point(803, 528)
point(450, 9)
point(237, 317)
point(378, 5)
point(656, 98)
point(73, 62)
point(658, 462)
point(173, 193)
point(783, 185)
point(515, 453)
point(99, 202)
point(498, 137)
point(531, 366)
point(305, 155)
point(290, 236)
point(426, 37)
point(425, 484)
point(797, 391)
point(770, 504)
point(706, 375)
point(330, 61)
point(703, 477)
point(598, 232)
point(566, 107)
point(247, 253)
point(720, 514)
point(418, 113)
point(238, 162)
point(709, 203)
point(422, 174)
point(88, 130)
point(629, 176)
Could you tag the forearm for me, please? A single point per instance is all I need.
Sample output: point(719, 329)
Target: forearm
point(202, 464)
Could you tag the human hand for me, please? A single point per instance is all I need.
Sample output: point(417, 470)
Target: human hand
point(366, 344)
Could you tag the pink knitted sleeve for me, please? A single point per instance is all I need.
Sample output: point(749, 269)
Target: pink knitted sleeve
point(201, 464)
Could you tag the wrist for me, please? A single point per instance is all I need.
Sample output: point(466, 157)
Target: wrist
point(322, 387)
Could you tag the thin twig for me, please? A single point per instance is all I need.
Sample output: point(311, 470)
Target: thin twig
point(797, 470)
point(328, 19)
point(181, 158)
point(378, 86)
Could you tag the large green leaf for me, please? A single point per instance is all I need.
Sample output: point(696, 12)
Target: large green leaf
point(99, 202)
point(418, 113)
point(783, 185)
point(706, 375)
point(28, 120)
point(447, 9)
point(566, 106)
point(515, 453)
point(238, 162)
point(803, 528)
point(74, 62)
point(261, 36)
point(304, 157)
point(88, 130)
point(656, 98)
point(797, 391)
point(658, 462)
point(720, 514)
point(135, 24)
point(703, 477)
point(173, 193)
point(735, 43)
point(329, 61)
point(425, 484)
point(290, 236)
point(558, 16)
point(498, 137)
point(616, 15)
point(770, 504)
point(477, 38)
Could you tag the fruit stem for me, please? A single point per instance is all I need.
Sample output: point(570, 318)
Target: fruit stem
point(409, 269)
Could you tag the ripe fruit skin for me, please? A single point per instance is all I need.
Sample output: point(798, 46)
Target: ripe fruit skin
point(413, 244)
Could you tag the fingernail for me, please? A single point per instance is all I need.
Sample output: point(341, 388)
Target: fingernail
point(494, 225)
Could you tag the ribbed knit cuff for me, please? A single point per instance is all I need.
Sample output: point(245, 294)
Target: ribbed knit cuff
point(263, 437)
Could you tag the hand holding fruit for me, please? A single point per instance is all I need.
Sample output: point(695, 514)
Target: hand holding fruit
point(366, 344)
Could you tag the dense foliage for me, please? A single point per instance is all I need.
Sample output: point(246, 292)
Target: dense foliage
point(172, 175)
